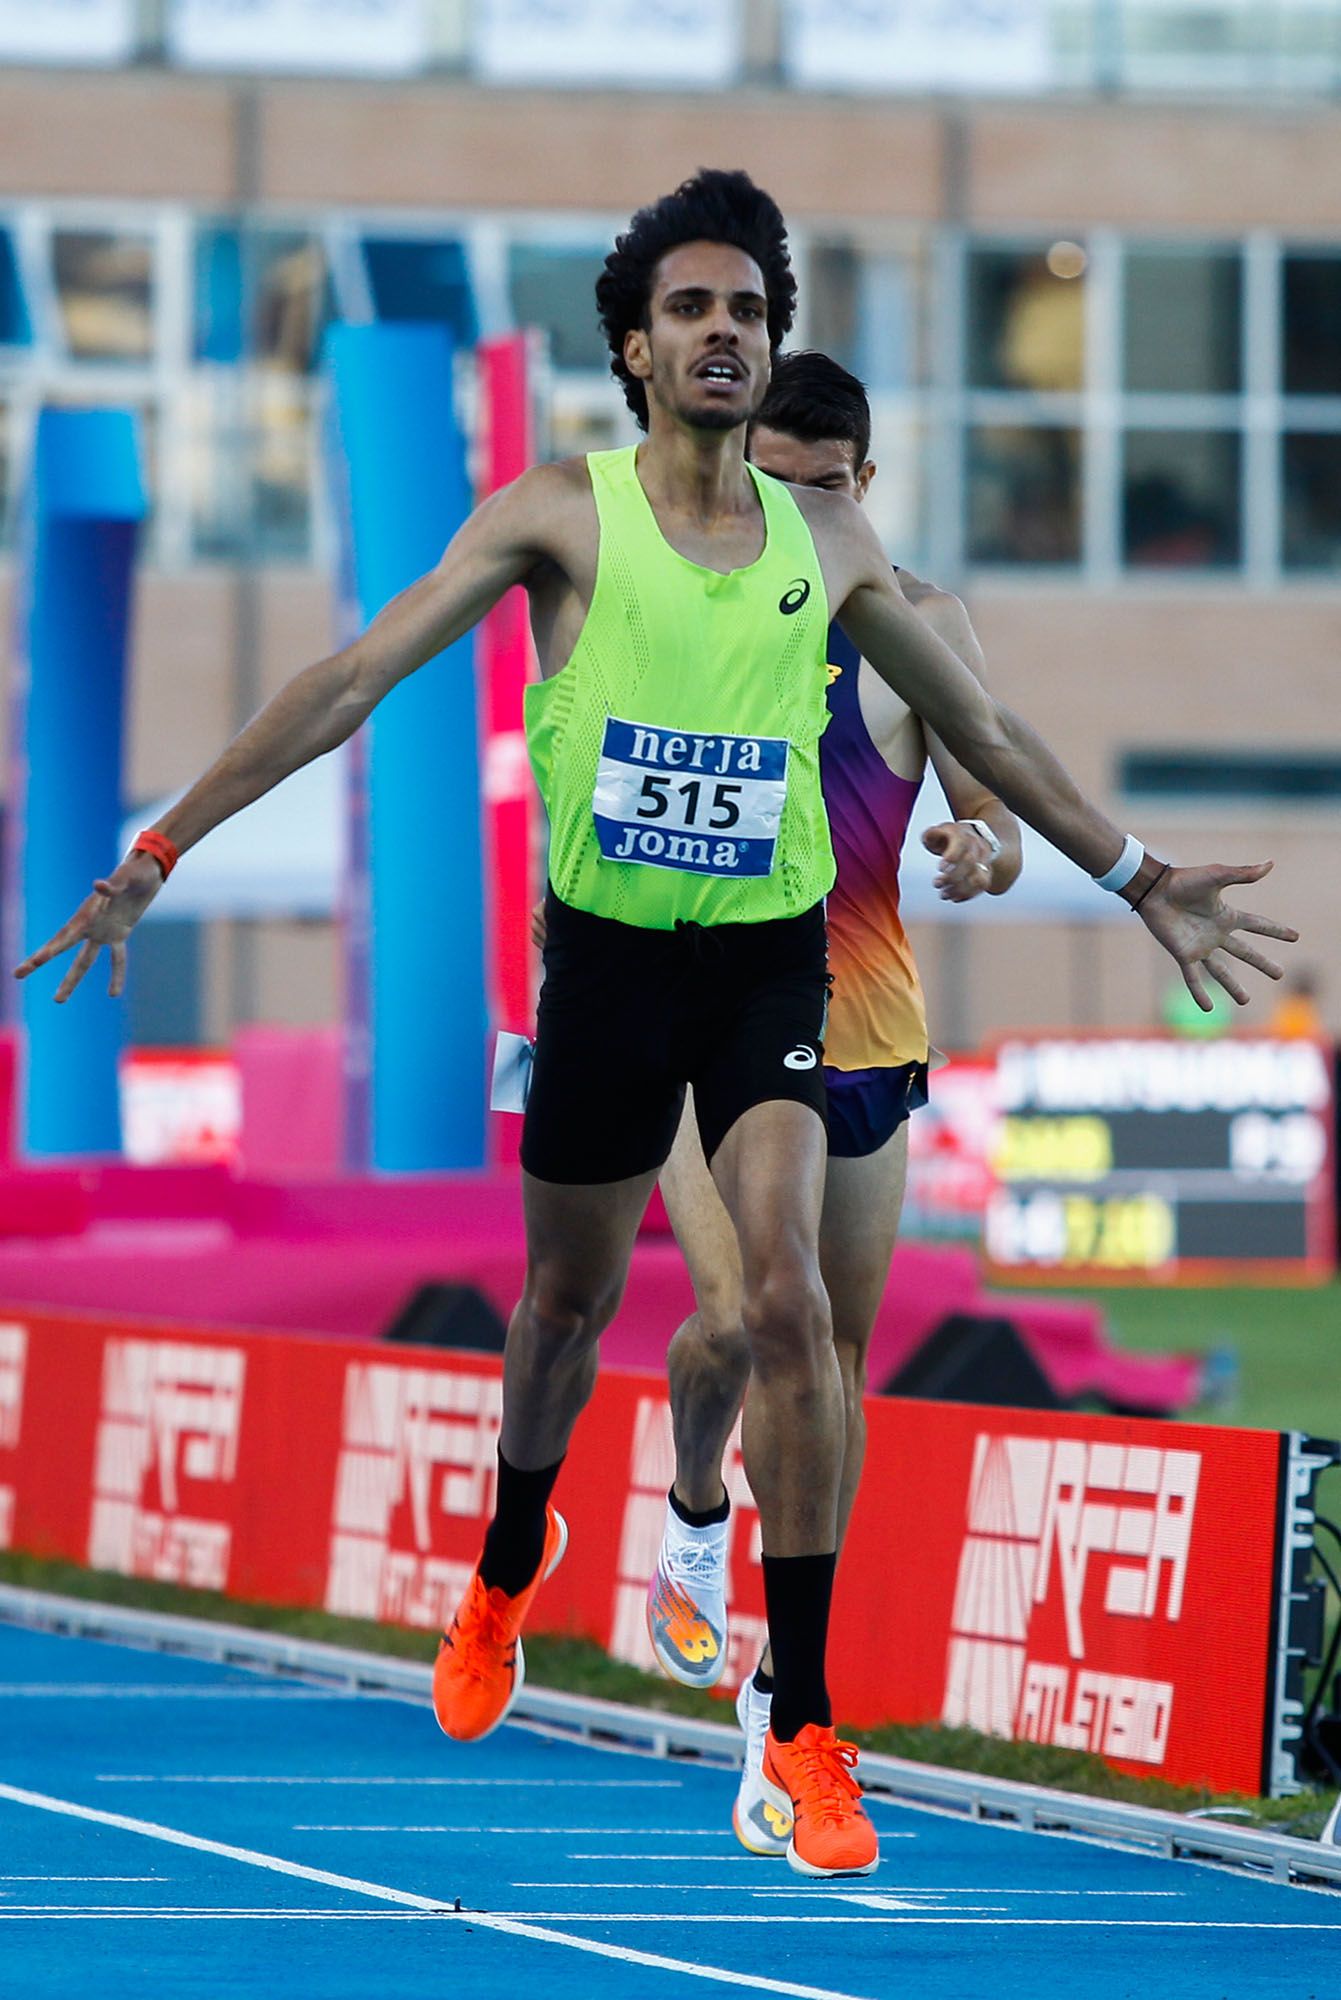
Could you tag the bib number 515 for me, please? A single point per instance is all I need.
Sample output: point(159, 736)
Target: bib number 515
point(685, 800)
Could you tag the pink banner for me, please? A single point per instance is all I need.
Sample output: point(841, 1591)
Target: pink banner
point(508, 664)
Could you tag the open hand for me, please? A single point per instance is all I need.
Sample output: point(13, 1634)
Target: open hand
point(107, 917)
point(965, 858)
point(1187, 913)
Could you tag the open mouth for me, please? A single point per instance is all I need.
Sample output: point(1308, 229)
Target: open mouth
point(719, 374)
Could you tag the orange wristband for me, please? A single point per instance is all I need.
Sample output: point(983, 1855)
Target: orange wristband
point(159, 846)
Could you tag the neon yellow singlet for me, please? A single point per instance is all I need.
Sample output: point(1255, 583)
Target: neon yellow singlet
point(677, 752)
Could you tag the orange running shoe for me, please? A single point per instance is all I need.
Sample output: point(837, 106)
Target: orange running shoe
point(812, 1779)
point(481, 1669)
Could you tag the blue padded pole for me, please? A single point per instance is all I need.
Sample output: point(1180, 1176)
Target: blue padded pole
point(403, 491)
point(84, 504)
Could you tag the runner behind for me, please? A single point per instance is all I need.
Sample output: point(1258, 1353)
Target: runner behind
point(813, 430)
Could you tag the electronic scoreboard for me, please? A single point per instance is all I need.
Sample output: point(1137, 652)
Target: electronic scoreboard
point(1123, 1157)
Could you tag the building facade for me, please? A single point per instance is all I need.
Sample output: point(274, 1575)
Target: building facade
point(1103, 340)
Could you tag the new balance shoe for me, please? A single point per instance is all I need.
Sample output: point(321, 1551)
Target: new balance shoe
point(812, 1778)
point(686, 1602)
point(481, 1668)
point(761, 1825)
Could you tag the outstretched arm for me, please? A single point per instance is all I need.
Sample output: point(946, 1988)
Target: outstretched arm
point(1182, 907)
point(318, 710)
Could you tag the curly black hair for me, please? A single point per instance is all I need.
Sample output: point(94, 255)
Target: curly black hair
point(716, 206)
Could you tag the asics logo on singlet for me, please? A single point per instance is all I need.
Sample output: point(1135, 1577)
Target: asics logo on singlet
point(800, 1059)
point(794, 596)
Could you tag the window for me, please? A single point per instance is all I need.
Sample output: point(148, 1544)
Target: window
point(581, 415)
point(896, 503)
point(219, 329)
point(213, 428)
point(1299, 777)
point(262, 302)
point(105, 290)
point(1026, 323)
point(1182, 321)
point(15, 325)
point(859, 310)
point(1023, 494)
point(279, 466)
point(1180, 499)
point(249, 462)
point(6, 493)
point(288, 298)
point(1311, 323)
point(422, 279)
point(1311, 478)
point(554, 288)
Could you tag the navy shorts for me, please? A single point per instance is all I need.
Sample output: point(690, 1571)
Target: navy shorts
point(867, 1106)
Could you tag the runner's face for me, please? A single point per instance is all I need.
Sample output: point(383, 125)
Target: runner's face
point(828, 465)
point(705, 353)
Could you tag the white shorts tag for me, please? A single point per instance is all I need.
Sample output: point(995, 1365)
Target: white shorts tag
point(511, 1083)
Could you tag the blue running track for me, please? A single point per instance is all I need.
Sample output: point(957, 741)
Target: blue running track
point(168, 1826)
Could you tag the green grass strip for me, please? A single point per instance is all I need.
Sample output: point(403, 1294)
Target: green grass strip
point(578, 1667)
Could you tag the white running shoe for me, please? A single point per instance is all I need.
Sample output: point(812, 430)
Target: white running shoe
point(760, 1825)
point(686, 1602)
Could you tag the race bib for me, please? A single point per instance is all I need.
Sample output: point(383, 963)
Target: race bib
point(676, 799)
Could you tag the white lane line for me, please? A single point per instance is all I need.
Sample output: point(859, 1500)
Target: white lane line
point(797, 1888)
point(379, 1892)
point(683, 1888)
point(883, 1900)
point(645, 1832)
point(946, 1917)
point(475, 1784)
point(531, 1926)
point(960, 1889)
point(83, 1878)
point(623, 1854)
point(129, 1691)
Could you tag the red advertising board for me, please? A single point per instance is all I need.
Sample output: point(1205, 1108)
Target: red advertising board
point(1099, 1583)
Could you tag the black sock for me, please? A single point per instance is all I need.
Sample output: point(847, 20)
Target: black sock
point(762, 1682)
point(797, 1593)
point(515, 1539)
point(692, 1520)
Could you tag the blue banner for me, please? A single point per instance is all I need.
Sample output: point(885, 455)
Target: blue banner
point(84, 505)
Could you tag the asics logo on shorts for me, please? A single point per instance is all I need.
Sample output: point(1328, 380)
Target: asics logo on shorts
point(800, 1058)
point(794, 596)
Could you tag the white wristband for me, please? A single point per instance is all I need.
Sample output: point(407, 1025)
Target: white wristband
point(984, 832)
point(1124, 868)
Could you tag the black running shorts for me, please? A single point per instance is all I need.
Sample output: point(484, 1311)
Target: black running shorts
point(628, 1017)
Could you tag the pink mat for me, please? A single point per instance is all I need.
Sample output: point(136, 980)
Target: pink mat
point(343, 1257)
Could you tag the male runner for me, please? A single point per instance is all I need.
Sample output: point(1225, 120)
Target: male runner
point(680, 602)
point(813, 429)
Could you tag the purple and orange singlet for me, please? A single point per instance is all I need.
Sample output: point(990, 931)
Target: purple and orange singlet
point(877, 1016)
